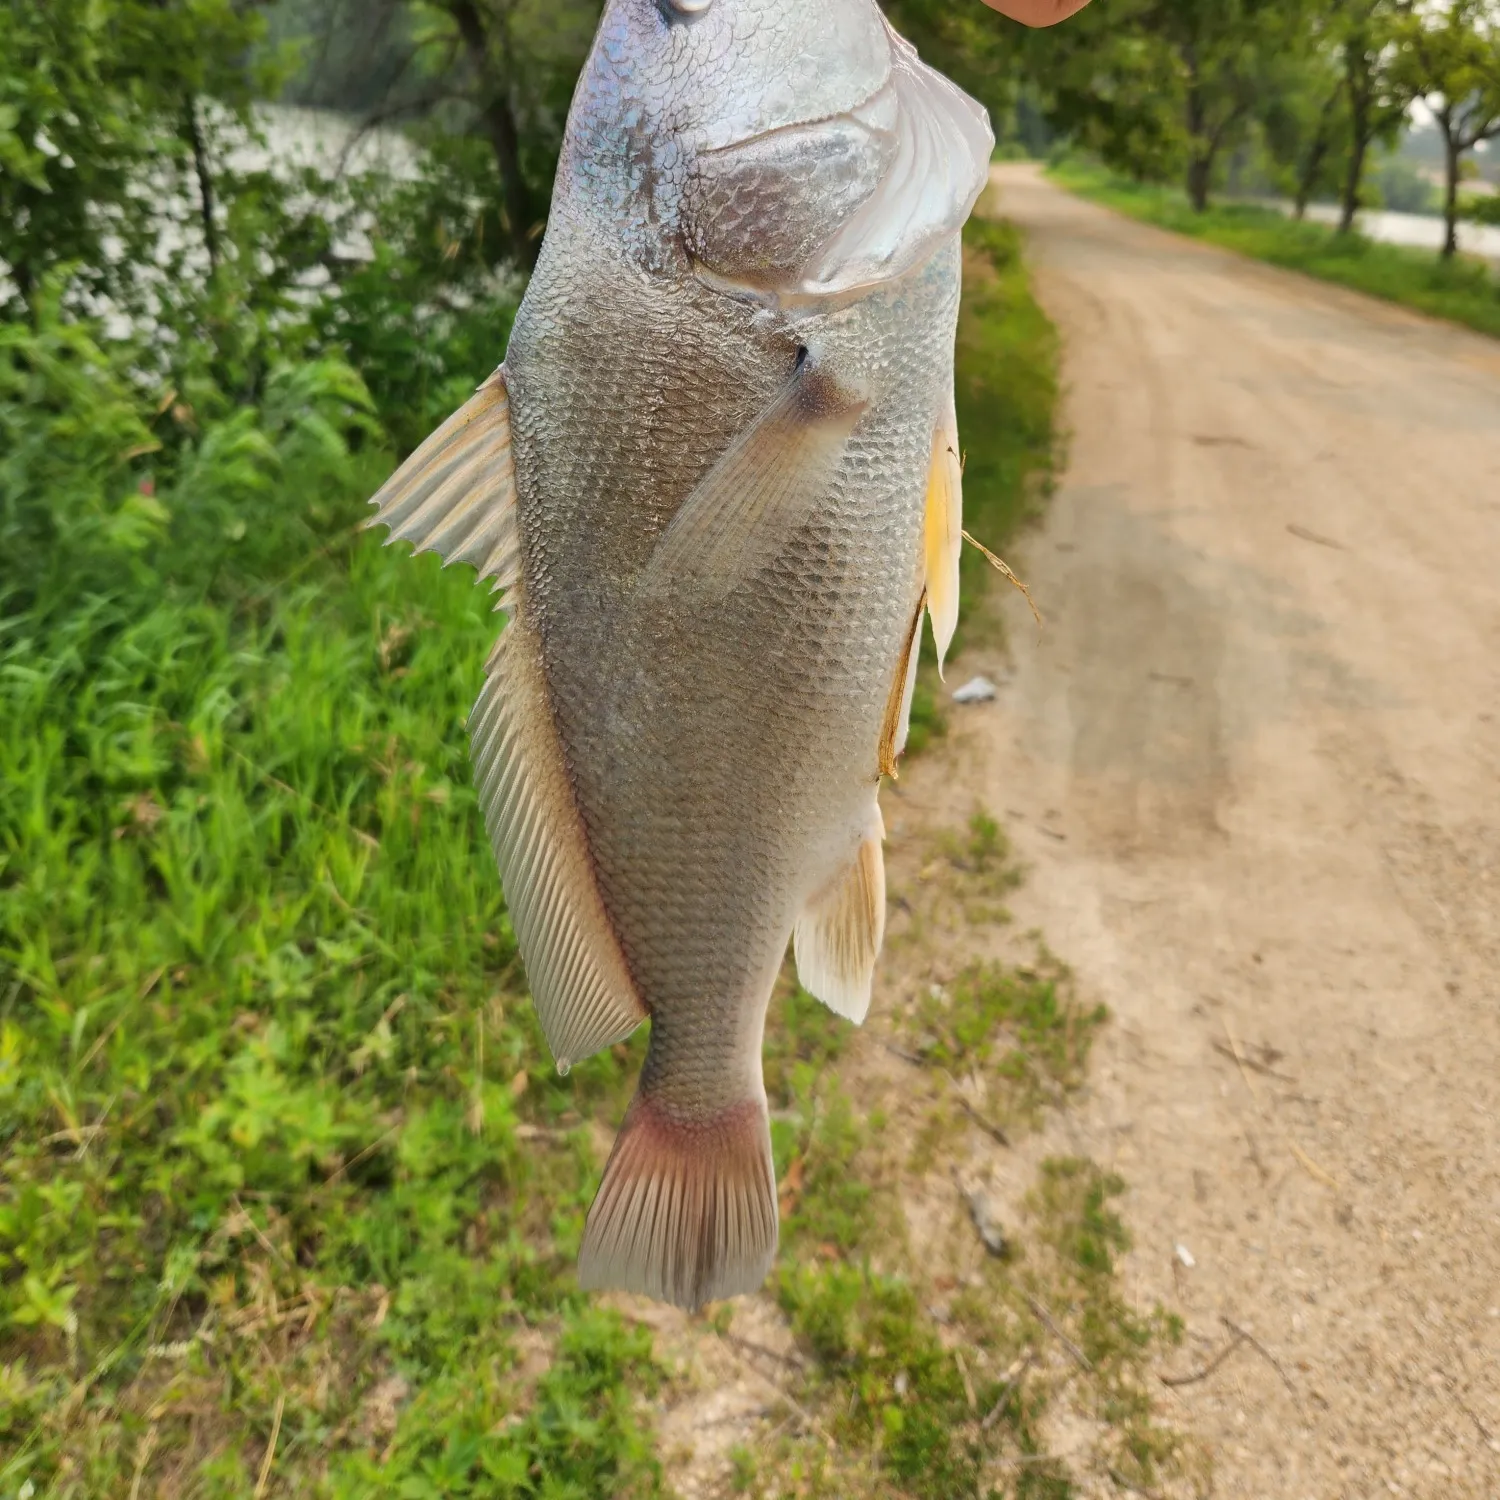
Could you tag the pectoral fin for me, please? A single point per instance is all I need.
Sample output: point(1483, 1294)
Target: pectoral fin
point(761, 491)
point(456, 495)
point(838, 937)
point(944, 531)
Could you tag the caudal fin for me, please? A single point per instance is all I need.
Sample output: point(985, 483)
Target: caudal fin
point(686, 1212)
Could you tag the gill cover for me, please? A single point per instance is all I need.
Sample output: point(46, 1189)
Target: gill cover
point(799, 150)
point(821, 210)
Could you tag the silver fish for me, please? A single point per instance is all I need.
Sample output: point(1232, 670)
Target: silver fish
point(717, 481)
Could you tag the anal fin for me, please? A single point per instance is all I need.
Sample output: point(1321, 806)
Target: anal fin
point(838, 936)
point(456, 495)
point(585, 995)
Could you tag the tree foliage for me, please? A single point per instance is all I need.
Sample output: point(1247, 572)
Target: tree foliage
point(1450, 57)
point(1167, 87)
point(100, 117)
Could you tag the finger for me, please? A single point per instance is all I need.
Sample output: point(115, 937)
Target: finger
point(1037, 12)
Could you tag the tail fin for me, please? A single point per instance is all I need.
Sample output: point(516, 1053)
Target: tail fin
point(687, 1209)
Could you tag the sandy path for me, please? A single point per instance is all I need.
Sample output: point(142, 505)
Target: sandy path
point(1254, 765)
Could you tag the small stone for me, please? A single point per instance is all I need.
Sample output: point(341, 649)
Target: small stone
point(975, 690)
point(987, 1222)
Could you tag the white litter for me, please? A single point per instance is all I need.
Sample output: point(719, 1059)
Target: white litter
point(1186, 1257)
point(976, 690)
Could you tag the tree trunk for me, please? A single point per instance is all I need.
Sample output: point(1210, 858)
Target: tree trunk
point(1357, 83)
point(1200, 151)
point(1352, 180)
point(204, 170)
point(1317, 153)
point(1450, 198)
point(1309, 178)
point(500, 126)
point(1199, 181)
point(1359, 146)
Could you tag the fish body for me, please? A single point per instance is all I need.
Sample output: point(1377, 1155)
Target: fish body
point(718, 478)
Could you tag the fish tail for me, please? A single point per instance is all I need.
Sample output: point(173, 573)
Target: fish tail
point(686, 1212)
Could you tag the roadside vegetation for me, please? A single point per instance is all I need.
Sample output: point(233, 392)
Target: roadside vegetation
point(1305, 99)
point(1463, 289)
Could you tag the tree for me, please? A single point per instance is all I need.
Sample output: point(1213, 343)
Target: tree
point(1112, 87)
point(968, 45)
point(1167, 85)
point(1300, 111)
point(97, 99)
point(1377, 88)
point(1451, 58)
point(521, 58)
point(1225, 48)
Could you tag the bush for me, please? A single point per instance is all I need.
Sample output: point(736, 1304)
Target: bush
point(1481, 208)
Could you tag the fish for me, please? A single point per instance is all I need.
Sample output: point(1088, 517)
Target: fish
point(716, 485)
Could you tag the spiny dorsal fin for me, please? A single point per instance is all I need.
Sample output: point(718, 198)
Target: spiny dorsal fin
point(838, 937)
point(585, 995)
point(456, 495)
point(944, 531)
point(686, 1212)
point(767, 483)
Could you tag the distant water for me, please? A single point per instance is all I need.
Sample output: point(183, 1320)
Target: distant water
point(1421, 231)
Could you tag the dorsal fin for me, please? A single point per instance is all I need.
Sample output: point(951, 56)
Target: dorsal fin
point(456, 495)
point(585, 995)
point(839, 935)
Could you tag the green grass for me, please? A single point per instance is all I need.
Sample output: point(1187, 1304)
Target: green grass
point(1464, 290)
point(1019, 1025)
point(279, 1133)
point(1077, 1236)
point(1006, 391)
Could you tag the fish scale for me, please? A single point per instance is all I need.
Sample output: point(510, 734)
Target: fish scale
point(729, 481)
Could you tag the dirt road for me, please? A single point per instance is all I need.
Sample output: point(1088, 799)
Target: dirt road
point(1254, 764)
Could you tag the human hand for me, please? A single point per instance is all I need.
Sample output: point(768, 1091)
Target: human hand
point(1037, 12)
